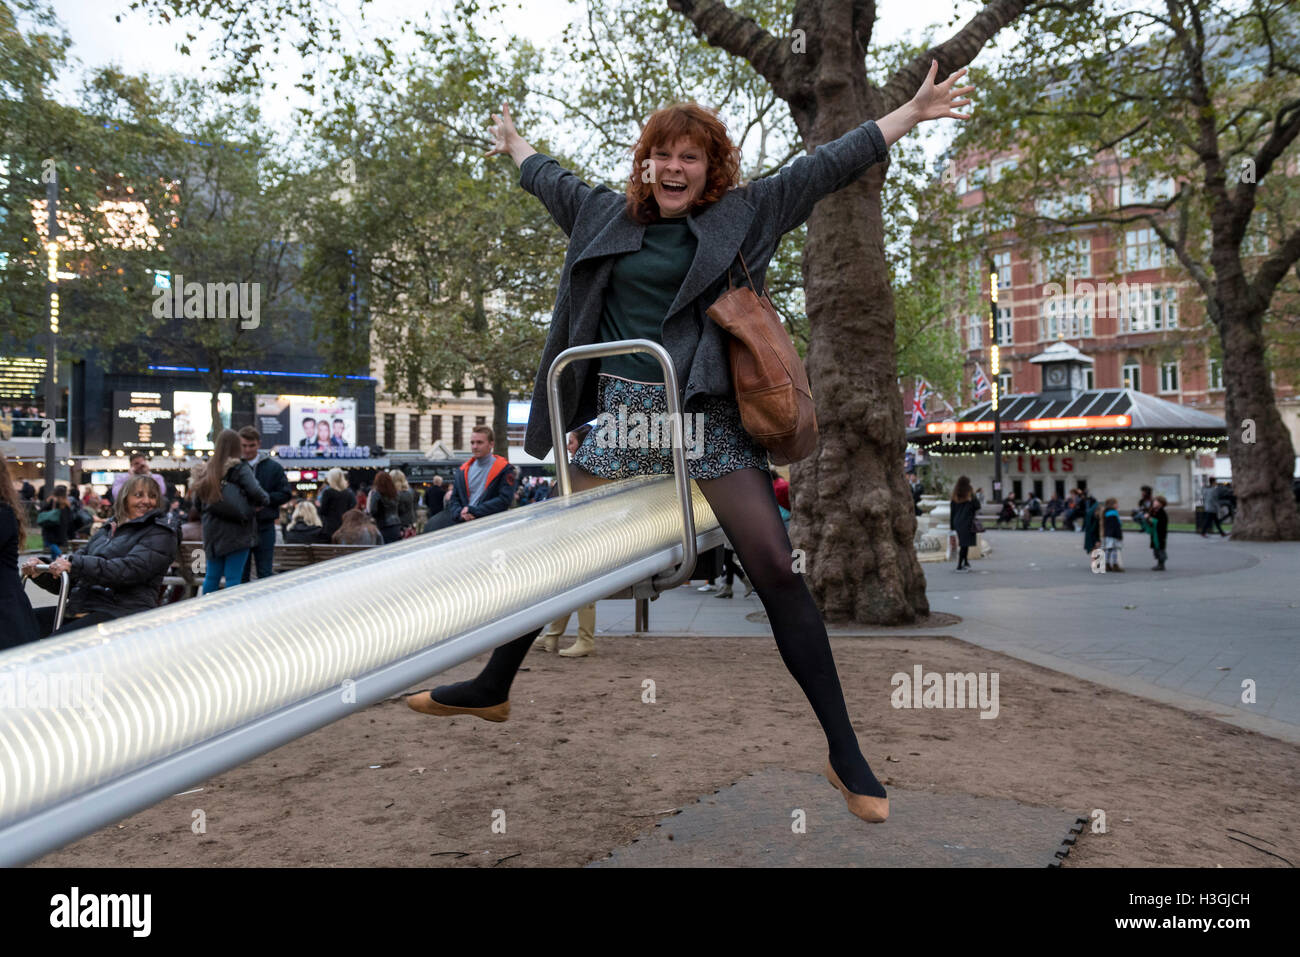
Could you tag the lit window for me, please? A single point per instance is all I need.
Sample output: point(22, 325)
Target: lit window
point(1004, 384)
point(1131, 376)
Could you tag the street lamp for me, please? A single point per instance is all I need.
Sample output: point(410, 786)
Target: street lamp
point(994, 362)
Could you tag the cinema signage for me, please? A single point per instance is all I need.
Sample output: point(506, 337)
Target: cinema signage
point(1033, 425)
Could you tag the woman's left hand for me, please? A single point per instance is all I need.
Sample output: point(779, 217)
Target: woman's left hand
point(936, 101)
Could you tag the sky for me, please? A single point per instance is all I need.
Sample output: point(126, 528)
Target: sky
point(139, 45)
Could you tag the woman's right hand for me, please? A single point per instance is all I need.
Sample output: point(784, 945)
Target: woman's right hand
point(506, 139)
point(503, 131)
point(29, 567)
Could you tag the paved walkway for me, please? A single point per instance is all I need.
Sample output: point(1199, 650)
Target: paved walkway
point(1224, 611)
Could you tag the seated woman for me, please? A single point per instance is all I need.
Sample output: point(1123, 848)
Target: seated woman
point(120, 571)
point(305, 527)
point(357, 529)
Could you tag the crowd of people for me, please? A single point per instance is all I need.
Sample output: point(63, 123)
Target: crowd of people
point(239, 505)
point(1101, 524)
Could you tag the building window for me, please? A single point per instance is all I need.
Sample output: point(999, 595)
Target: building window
point(1131, 376)
point(1143, 250)
point(1058, 265)
point(1169, 377)
point(1216, 375)
point(414, 432)
point(435, 434)
point(1150, 308)
point(1088, 379)
point(390, 430)
point(1002, 166)
point(1066, 318)
point(478, 388)
point(1132, 193)
point(1065, 206)
point(480, 420)
point(1004, 326)
point(1002, 263)
point(974, 337)
point(458, 431)
point(1004, 384)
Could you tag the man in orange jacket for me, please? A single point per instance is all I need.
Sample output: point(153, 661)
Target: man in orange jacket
point(482, 486)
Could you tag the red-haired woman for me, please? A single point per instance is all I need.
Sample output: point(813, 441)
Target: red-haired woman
point(647, 264)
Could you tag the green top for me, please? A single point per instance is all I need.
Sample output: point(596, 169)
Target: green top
point(641, 291)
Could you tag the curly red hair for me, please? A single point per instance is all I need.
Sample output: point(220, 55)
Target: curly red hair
point(666, 126)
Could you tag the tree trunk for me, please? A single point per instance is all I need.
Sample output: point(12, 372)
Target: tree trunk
point(853, 512)
point(1259, 445)
point(500, 419)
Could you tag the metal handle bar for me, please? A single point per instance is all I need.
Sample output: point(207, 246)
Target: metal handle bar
point(559, 438)
point(63, 594)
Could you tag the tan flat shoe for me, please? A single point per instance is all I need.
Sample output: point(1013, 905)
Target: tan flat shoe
point(423, 702)
point(865, 806)
point(547, 643)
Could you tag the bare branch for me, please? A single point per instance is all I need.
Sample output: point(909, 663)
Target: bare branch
point(741, 36)
point(1272, 269)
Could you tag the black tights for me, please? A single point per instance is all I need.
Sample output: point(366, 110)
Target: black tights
point(746, 508)
point(961, 556)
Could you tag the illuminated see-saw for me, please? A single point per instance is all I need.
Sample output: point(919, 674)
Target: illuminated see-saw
point(176, 695)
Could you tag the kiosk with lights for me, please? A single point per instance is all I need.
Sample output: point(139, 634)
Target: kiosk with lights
point(1108, 441)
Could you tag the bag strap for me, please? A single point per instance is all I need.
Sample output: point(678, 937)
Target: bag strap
point(731, 285)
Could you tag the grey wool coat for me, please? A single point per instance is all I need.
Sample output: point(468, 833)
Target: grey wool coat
point(749, 220)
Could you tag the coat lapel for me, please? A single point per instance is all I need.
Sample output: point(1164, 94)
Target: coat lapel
point(720, 230)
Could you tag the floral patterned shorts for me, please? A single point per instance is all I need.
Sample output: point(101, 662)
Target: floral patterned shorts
point(632, 435)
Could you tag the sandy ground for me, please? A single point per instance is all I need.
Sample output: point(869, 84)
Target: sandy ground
point(584, 765)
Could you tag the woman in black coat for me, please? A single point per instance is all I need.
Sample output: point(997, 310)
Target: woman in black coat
point(54, 535)
point(961, 519)
point(19, 623)
point(229, 495)
point(121, 569)
point(382, 505)
point(336, 500)
point(305, 527)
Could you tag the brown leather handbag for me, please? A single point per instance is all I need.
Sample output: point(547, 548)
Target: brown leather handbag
point(776, 403)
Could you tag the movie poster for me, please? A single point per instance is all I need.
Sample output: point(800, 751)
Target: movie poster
point(309, 426)
point(192, 419)
point(141, 420)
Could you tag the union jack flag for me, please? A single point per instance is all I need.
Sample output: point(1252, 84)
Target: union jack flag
point(981, 384)
point(919, 396)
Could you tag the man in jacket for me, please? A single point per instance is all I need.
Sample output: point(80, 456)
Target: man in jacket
point(139, 465)
point(1210, 504)
point(482, 486)
point(270, 475)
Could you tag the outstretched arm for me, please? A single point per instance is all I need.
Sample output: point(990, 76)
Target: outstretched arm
point(789, 195)
point(561, 192)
